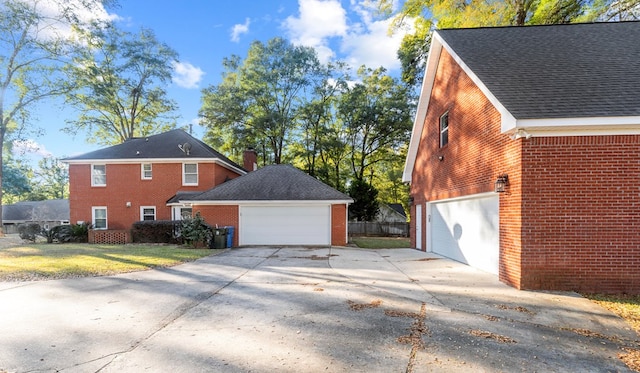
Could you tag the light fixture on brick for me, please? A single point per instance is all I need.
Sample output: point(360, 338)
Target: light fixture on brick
point(501, 183)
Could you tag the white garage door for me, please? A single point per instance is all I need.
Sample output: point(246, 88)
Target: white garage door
point(468, 230)
point(285, 225)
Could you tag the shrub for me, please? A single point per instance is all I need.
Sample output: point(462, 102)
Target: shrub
point(67, 233)
point(29, 231)
point(196, 231)
point(156, 231)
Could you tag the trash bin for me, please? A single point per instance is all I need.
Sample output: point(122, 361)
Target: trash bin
point(229, 236)
point(219, 238)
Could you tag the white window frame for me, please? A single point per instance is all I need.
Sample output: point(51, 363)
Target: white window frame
point(184, 174)
point(146, 174)
point(177, 212)
point(444, 132)
point(142, 215)
point(93, 175)
point(93, 216)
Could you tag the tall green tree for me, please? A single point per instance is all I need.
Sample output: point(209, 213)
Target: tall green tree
point(120, 79)
point(377, 113)
point(33, 50)
point(51, 180)
point(257, 101)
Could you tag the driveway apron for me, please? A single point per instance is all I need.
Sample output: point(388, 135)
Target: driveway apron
point(304, 310)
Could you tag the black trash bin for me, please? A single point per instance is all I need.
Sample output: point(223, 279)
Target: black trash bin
point(219, 238)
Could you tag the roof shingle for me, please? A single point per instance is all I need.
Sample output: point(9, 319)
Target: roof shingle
point(556, 71)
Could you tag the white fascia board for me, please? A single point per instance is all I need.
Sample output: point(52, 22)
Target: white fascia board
point(590, 126)
point(423, 105)
point(267, 203)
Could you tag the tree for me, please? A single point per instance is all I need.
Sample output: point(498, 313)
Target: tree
point(119, 78)
point(424, 15)
point(32, 51)
point(377, 113)
point(365, 204)
point(16, 180)
point(51, 180)
point(257, 101)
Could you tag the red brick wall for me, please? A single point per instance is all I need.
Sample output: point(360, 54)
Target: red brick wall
point(477, 153)
point(221, 216)
point(581, 218)
point(338, 225)
point(124, 184)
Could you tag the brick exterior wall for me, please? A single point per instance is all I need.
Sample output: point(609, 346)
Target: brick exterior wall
point(124, 184)
point(338, 225)
point(581, 202)
point(569, 219)
point(221, 216)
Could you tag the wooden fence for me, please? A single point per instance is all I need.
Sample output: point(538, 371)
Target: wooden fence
point(366, 228)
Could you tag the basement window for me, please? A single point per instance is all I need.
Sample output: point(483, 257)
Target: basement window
point(444, 129)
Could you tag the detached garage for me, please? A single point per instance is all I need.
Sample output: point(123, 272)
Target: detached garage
point(276, 205)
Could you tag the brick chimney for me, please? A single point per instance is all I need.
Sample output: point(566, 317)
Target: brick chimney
point(250, 159)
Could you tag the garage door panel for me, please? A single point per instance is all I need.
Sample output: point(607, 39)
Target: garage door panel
point(467, 230)
point(290, 225)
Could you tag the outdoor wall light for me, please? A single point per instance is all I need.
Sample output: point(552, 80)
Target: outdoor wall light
point(501, 183)
point(441, 158)
point(128, 204)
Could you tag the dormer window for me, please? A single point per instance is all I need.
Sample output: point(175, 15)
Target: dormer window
point(98, 175)
point(444, 129)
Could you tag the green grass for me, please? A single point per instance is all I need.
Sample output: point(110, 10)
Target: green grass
point(52, 261)
point(625, 306)
point(381, 242)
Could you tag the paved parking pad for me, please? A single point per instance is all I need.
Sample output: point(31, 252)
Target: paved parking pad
point(304, 310)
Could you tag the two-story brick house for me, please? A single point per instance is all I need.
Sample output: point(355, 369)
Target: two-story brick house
point(173, 175)
point(113, 187)
point(524, 159)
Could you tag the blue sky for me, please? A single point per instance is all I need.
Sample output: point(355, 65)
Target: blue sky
point(203, 32)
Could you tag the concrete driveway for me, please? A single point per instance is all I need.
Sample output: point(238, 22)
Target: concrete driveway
point(304, 310)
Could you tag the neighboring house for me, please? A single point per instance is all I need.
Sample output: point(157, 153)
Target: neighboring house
point(276, 205)
point(524, 159)
point(391, 213)
point(46, 213)
point(173, 175)
point(114, 187)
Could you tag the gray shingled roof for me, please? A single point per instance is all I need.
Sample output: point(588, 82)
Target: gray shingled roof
point(272, 183)
point(556, 71)
point(50, 210)
point(162, 146)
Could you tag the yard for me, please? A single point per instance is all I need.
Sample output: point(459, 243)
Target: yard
point(51, 261)
point(381, 242)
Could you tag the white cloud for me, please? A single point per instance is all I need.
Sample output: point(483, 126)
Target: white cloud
point(374, 47)
point(319, 20)
point(51, 10)
point(359, 36)
point(186, 75)
point(239, 29)
point(29, 146)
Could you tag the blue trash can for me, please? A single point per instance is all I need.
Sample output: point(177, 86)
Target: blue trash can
point(229, 236)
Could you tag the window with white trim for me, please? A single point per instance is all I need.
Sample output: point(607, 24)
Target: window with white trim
point(444, 129)
point(148, 213)
point(146, 171)
point(189, 174)
point(99, 217)
point(98, 175)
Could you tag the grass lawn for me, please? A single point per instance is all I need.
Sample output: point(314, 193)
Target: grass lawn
point(52, 261)
point(381, 242)
point(627, 307)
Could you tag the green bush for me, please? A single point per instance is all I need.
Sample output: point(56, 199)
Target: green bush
point(29, 231)
point(196, 231)
point(67, 233)
point(156, 231)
